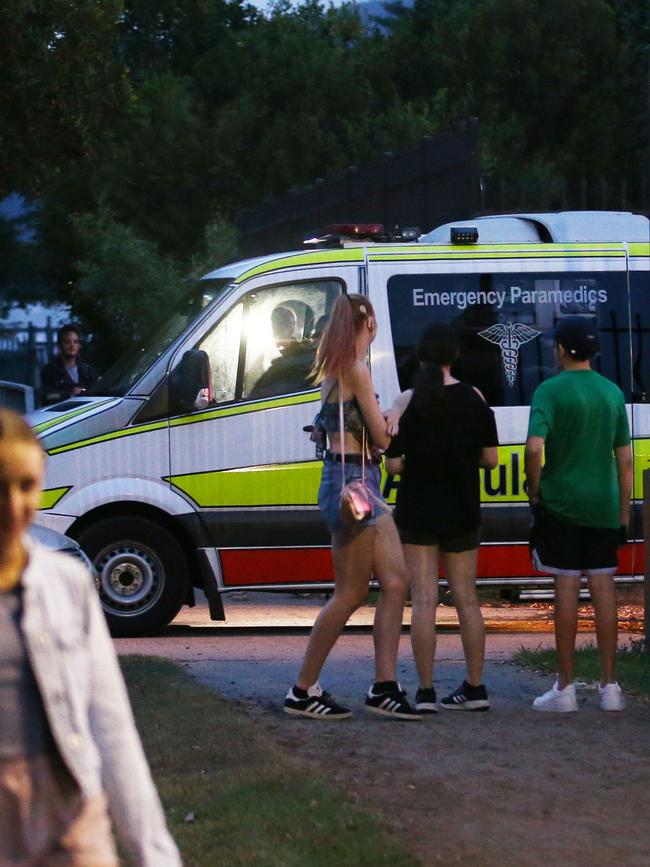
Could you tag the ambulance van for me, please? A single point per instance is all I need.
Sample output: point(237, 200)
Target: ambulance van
point(189, 466)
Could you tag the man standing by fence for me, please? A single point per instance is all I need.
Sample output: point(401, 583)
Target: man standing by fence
point(581, 502)
point(66, 375)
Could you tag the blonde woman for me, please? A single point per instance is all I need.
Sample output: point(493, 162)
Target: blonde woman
point(70, 755)
point(365, 549)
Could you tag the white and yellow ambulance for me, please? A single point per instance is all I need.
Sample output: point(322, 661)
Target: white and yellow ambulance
point(190, 467)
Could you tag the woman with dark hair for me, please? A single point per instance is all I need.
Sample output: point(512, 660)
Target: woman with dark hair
point(70, 754)
point(446, 433)
point(365, 548)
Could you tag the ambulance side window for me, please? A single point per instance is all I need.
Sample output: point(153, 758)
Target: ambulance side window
point(505, 323)
point(282, 326)
point(266, 344)
point(222, 347)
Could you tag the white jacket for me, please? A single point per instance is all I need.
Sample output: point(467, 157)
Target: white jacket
point(86, 703)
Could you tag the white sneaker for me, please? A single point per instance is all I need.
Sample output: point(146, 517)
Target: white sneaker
point(558, 700)
point(611, 697)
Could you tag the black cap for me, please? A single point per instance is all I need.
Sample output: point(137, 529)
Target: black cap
point(578, 335)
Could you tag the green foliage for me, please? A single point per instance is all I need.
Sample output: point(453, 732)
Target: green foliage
point(123, 280)
point(62, 85)
point(124, 283)
point(163, 113)
point(219, 247)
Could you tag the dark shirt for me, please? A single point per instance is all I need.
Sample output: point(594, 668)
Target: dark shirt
point(24, 729)
point(440, 486)
point(57, 384)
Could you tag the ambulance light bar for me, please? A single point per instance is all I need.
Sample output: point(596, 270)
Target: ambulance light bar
point(464, 235)
point(338, 234)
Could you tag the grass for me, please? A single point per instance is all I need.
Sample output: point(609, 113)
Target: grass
point(632, 665)
point(232, 795)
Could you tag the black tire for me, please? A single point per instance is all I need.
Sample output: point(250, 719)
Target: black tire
point(143, 574)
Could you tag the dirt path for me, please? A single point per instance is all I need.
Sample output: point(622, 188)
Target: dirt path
point(498, 789)
point(507, 787)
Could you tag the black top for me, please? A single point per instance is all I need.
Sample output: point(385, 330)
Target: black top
point(57, 384)
point(440, 487)
point(24, 729)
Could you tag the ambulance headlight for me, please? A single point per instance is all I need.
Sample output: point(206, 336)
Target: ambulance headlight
point(464, 234)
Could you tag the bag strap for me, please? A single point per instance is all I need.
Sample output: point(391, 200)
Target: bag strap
point(341, 427)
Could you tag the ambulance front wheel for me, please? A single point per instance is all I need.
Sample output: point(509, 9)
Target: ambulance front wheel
point(143, 576)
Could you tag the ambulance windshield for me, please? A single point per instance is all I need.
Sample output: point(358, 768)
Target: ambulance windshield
point(128, 369)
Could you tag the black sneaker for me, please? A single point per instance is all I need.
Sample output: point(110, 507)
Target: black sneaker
point(318, 705)
point(467, 697)
point(391, 702)
point(425, 701)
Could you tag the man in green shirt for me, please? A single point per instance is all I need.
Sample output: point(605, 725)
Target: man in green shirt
point(581, 501)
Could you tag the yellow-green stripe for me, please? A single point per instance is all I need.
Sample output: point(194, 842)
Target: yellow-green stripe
point(51, 496)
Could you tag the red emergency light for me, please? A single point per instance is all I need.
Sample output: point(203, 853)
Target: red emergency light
point(356, 230)
point(337, 234)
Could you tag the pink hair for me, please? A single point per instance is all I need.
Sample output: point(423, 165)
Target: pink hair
point(336, 350)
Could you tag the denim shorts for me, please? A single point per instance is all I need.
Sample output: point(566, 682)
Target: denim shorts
point(329, 492)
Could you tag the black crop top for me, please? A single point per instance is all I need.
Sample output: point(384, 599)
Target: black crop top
point(352, 418)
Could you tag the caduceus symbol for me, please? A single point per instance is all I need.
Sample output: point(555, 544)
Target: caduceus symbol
point(509, 336)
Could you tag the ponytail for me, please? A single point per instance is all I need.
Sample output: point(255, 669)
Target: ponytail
point(337, 348)
point(437, 348)
point(427, 388)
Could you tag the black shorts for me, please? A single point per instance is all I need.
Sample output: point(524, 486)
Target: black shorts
point(452, 542)
point(561, 548)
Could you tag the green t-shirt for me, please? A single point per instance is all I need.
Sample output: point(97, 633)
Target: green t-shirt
point(582, 419)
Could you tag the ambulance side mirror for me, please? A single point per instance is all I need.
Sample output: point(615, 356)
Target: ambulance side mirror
point(189, 383)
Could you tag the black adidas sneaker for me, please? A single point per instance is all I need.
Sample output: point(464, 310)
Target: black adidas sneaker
point(425, 701)
point(466, 697)
point(318, 705)
point(391, 702)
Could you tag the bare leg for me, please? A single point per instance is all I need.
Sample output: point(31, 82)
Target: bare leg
point(422, 567)
point(390, 570)
point(567, 588)
point(603, 595)
point(460, 569)
point(352, 569)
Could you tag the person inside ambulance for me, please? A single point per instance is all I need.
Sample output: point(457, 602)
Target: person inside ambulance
point(288, 372)
point(284, 324)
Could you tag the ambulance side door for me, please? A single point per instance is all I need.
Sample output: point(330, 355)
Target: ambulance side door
point(244, 462)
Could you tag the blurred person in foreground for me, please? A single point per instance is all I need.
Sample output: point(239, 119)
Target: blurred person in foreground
point(70, 754)
point(580, 500)
point(66, 375)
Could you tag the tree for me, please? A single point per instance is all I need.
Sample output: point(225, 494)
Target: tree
point(123, 283)
point(62, 85)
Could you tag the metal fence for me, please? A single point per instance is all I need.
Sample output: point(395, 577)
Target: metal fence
point(626, 193)
point(436, 181)
point(23, 352)
point(430, 183)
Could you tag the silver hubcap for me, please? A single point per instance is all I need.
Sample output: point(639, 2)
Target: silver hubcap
point(131, 578)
